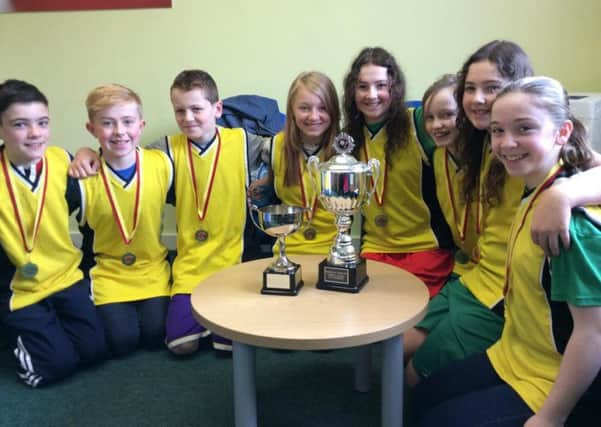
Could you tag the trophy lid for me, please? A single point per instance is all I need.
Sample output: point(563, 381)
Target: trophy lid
point(344, 161)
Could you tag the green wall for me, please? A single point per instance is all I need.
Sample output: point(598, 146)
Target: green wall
point(259, 46)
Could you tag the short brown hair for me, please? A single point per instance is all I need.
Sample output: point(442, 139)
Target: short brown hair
point(197, 79)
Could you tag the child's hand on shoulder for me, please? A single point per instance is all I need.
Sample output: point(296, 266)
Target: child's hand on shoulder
point(86, 163)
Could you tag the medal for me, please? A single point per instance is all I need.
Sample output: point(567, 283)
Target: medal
point(381, 220)
point(201, 236)
point(461, 257)
point(128, 258)
point(126, 235)
point(29, 270)
point(310, 233)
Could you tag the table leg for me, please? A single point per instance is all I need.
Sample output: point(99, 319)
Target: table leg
point(363, 368)
point(392, 382)
point(245, 394)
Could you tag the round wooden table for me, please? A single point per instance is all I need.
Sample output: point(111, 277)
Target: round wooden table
point(230, 304)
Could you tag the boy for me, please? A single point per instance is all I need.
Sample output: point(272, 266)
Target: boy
point(45, 302)
point(212, 170)
point(121, 223)
point(213, 167)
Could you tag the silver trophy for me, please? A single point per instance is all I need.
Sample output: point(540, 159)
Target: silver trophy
point(282, 277)
point(344, 186)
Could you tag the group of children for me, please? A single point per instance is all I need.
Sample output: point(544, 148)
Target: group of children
point(462, 179)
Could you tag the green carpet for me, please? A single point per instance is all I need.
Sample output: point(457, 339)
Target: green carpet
point(157, 389)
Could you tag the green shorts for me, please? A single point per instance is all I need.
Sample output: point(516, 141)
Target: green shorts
point(458, 325)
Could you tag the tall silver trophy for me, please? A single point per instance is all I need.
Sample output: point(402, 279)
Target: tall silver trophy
point(344, 187)
point(282, 277)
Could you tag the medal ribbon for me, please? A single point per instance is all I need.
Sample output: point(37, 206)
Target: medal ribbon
point(556, 170)
point(379, 197)
point(209, 188)
point(28, 242)
point(481, 183)
point(125, 235)
point(313, 203)
point(461, 228)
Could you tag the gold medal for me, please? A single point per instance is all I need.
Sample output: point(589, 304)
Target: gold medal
point(381, 220)
point(201, 236)
point(29, 270)
point(310, 233)
point(128, 258)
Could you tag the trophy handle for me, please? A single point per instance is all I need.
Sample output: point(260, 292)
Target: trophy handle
point(253, 208)
point(374, 166)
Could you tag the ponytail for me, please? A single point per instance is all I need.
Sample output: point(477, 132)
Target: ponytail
point(577, 153)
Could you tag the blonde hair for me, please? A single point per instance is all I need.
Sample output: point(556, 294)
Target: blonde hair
point(320, 85)
point(106, 96)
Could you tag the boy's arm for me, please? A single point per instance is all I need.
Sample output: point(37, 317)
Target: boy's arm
point(579, 367)
point(85, 163)
point(551, 216)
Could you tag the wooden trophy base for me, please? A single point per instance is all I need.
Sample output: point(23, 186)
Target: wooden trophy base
point(282, 283)
point(343, 279)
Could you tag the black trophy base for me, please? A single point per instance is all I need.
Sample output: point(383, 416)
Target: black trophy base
point(343, 279)
point(282, 283)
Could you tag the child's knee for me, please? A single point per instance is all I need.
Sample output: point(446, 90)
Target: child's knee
point(123, 341)
point(153, 335)
point(94, 349)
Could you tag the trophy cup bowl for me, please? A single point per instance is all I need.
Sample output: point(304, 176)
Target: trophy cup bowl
point(344, 186)
point(282, 277)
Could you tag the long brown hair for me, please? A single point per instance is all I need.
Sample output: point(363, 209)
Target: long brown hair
point(398, 124)
point(320, 85)
point(512, 63)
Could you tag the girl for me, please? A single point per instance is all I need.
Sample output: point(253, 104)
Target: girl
point(313, 120)
point(403, 226)
point(440, 114)
point(468, 315)
point(546, 364)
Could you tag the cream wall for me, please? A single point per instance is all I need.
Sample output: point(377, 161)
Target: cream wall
point(258, 46)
